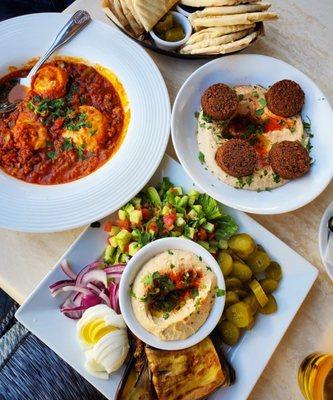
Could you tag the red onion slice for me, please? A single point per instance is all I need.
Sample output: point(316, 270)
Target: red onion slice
point(94, 275)
point(67, 269)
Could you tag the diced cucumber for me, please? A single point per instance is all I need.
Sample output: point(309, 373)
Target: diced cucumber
point(109, 251)
point(113, 241)
point(154, 196)
point(178, 190)
point(166, 210)
point(133, 248)
point(189, 232)
point(136, 201)
point(123, 238)
point(223, 244)
point(117, 256)
point(123, 258)
point(135, 234)
point(122, 215)
point(197, 208)
point(175, 233)
point(180, 221)
point(135, 216)
point(209, 227)
point(204, 244)
point(193, 196)
point(183, 202)
point(129, 208)
point(114, 230)
point(192, 215)
point(202, 221)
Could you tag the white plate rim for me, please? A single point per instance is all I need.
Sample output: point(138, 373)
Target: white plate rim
point(323, 238)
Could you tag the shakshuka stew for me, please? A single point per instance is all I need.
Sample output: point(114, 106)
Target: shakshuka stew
point(70, 123)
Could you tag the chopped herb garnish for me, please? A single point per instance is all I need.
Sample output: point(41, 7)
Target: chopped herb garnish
point(201, 157)
point(263, 102)
point(220, 292)
point(200, 258)
point(208, 268)
point(240, 97)
point(147, 280)
point(92, 132)
point(166, 315)
point(67, 145)
point(249, 179)
point(255, 94)
point(207, 118)
point(265, 172)
point(276, 178)
point(196, 114)
point(194, 292)
point(80, 152)
point(172, 266)
point(131, 293)
point(51, 154)
point(240, 182)
point(170, 252)
point(259, 112)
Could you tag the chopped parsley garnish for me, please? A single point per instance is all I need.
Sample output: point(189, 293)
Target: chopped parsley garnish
point(67, 145)
point(78, 122)
point(263, 102)
point(51, 154)
point(166, 315)
point(276, 178)
point(196, 114)
point(92, 132)
point(220, 292)
point(208, 268)
point(240, 182)
point(207, 118)
point(201, 157)
point(255, 94)
point(240, 97)
point(172, 266)
point(80, 152)
point(170, 252)
point(131, 293)
point(259, 112)
point(194, 292)
point(148, 280)
point(249, 179)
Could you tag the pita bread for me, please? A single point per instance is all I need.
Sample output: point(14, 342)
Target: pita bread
point(224, 48)
point(106, 6)
point(130, 5)
point(151, 11)
point(230, 10)
point(199, 21)
point(211, 33)
point(213, 3)
point(224, 39)
point(137, 29)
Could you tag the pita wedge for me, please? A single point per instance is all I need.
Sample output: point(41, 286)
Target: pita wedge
point(136, 28)
point(240, 9)
point(224, 48)
point(109, 10)
point(213, 3)
point(151, 11)
point(215, 32)
point(130, 5)
point(200, 21)
point(224, 39)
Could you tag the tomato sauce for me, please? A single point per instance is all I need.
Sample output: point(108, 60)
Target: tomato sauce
point(37, 151)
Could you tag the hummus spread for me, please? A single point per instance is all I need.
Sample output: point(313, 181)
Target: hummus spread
point(269, 129)
point(173, 294)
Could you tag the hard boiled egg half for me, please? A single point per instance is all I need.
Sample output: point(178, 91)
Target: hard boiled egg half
point(103, 334)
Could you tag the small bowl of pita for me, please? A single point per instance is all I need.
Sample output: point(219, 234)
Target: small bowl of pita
point(212, 28)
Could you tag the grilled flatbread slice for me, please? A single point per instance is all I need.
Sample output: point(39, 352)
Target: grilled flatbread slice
point(151, 11)
point(213, 3)
point(200, 21)
point(240, 9)
point(106, 6)
point(137, 29)
point(223, 48)
point(215, 32)
point(130, 5)
point(224, 39)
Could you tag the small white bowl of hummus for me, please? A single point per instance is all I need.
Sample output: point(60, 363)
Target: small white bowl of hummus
point(172, 293)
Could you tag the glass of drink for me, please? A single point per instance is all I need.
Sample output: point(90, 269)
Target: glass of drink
point(315, 377)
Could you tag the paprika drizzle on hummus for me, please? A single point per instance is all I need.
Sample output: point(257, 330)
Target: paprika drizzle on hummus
point(72, 120)
point(173, 294)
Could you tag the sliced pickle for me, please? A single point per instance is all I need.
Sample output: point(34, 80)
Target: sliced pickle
point(258, 261)
point(241, 293)
point(269, 285)
point(252, 301)
point(164, 25)
point(251, 324)
point(271, 306)
point(225, 262)
point(274, 271)
point(230, 333)
point(231, 298)
point(233, 283)
point(241, 271)
point(258, 292)
point(175, 34)
point(239, 314)
point(242, 244)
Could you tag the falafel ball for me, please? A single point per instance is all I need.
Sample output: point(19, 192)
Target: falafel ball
point(285, 98)
point(220, 102)
point(289, 159)
point(237, 158)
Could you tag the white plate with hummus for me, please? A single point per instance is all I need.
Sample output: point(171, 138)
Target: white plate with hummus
point(177, 322)
point(252, 132)
point(41, 315)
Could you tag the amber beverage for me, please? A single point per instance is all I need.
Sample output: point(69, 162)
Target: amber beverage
point(315, 377)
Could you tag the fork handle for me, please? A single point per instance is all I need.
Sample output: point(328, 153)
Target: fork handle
point(73, 26)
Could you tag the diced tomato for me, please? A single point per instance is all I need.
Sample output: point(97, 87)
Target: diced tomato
point(211, 235)
point(202, 234)
point(126, 249)
point(152, 227)
point(108, 226)
point(124, 224)
point(145, 213)
point(169, 220)
point(58, 123)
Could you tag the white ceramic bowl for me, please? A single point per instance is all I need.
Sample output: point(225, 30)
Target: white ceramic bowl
point(132, 269)
point(182, 11)
point(260, 70)
point(185, 23)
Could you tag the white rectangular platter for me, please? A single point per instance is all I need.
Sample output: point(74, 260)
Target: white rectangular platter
point(40, 313)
